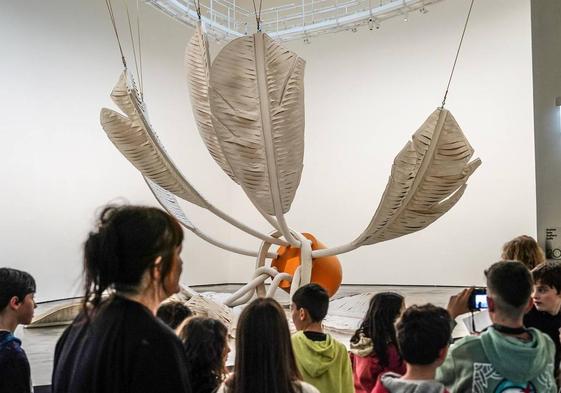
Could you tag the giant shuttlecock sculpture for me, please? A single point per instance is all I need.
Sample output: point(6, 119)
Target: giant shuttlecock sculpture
point(249, 108)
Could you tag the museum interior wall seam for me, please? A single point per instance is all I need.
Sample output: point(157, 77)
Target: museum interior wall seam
point(546, 59)
point(366, 94)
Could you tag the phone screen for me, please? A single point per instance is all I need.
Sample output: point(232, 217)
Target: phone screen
point(481, 301)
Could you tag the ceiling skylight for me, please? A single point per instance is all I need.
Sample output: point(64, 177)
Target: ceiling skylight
point(228, 19)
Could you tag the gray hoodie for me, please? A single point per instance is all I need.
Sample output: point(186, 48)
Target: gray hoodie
point(393, 384)
point(495, 362)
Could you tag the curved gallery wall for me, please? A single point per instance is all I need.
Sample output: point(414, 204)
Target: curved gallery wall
point(366, 93)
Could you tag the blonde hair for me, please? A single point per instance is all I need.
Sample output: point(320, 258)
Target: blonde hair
point(524, 249)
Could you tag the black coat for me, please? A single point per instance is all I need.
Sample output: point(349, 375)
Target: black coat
point(123, 348)
point(548, 324)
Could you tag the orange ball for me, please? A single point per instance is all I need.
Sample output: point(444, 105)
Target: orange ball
point(326, 271)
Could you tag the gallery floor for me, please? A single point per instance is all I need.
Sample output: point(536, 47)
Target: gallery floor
point(346, 309)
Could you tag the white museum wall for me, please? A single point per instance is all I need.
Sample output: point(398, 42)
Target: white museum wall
point(58, 63)
point(366, 94)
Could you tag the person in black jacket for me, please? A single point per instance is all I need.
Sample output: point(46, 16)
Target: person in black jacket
point(17, 304)
point(117, 344)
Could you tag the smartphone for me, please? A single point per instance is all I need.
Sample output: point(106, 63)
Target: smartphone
point(478, 299)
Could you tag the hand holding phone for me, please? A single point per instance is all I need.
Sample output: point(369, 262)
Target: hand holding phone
point(458, 304)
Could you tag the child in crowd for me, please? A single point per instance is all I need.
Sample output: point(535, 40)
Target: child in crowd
point(205, 341)
point(374, 345)
point(524, 249)
point(507, 357)
point(17, 305)
point(264, 357)
point(423, 334)
point(173, 313)
point(322, 360)
point(545, 314)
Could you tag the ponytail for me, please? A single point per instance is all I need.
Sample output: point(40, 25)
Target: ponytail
point(126, 242)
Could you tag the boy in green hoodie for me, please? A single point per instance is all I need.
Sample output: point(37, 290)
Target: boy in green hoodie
point(322, 360)
point(508, 356)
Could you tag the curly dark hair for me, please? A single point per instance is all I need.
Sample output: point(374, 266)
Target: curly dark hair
point(204, 341)
point(548, 273)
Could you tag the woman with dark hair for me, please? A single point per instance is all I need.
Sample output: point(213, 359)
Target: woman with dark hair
point(264, 358)
point(205, 341)
point(117, 344)
point(374, 345)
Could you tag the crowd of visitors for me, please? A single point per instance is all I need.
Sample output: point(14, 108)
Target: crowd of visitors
point(133, 341)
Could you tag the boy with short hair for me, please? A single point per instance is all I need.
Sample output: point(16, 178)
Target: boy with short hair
point(17, 305)
point(545, 314)
point(322, 360)
point(423, 336)
point(507, 356)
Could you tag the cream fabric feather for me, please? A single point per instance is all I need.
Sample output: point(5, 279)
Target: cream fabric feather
point(197, 62)
point(206, 307)
point(134, 137)
point(170, 203)
point(428, 177)
point(257, 102)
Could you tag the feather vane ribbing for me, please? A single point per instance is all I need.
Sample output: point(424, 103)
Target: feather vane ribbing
point(257, 104)
point(134, 137)
point(197, 62)
point(428, 177)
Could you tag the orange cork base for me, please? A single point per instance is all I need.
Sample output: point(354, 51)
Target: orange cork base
point(326, 271)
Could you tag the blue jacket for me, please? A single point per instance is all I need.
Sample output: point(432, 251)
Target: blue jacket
point(15, 374)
